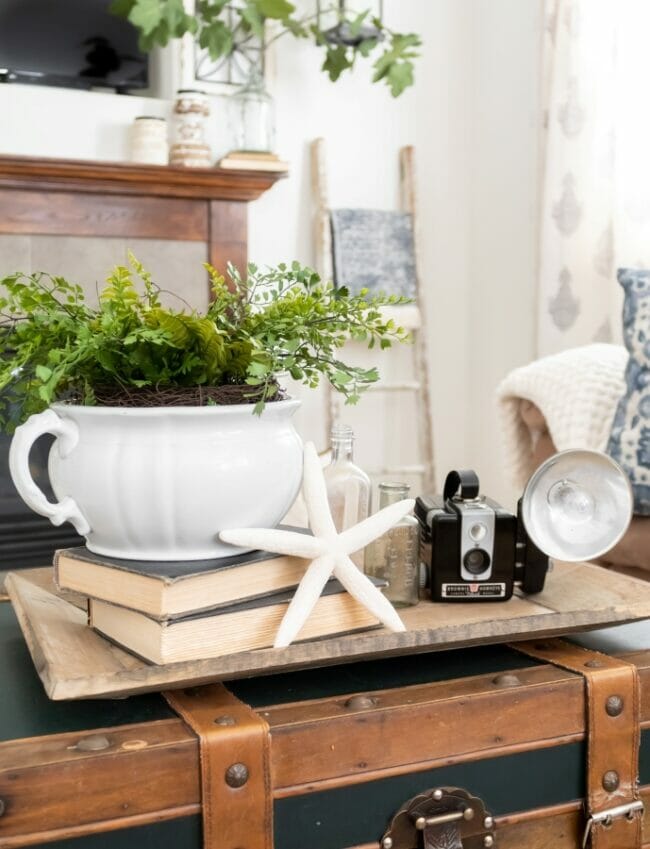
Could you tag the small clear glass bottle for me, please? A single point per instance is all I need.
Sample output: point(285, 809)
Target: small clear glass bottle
point(252, 115)
point(348, 486)
point(394, 556)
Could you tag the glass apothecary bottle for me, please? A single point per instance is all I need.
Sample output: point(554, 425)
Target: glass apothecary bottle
point(252, 116)
point(394, 556)
point(348, 486)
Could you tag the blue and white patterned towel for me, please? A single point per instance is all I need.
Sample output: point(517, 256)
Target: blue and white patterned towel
point(374, 249)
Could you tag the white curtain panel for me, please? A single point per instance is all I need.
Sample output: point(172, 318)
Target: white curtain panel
point(595, 214)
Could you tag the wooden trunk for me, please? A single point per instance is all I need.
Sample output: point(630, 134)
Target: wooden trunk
point(348, 745)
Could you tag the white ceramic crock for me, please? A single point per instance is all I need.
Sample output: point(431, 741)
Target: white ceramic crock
point(160, 483)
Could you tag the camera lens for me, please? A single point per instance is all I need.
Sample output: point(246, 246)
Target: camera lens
point(476, 561)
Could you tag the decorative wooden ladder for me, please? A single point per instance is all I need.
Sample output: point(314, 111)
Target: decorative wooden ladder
point(411, 317)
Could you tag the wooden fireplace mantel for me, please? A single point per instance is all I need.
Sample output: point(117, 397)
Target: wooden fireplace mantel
point(80, 198)
point(132, 179)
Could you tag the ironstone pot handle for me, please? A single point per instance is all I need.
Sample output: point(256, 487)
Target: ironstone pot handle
point(68, 435)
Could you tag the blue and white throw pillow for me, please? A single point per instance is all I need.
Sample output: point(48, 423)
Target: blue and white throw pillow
point(629, 442)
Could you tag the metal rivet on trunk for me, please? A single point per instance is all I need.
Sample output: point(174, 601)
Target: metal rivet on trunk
point(225, 720)
point(237, 775)
point(614, 705)
point(94, 743)
point(488, 841)
point(488, 823)
point(508, 679)
point(437, 795)
point(387, 843)
point(611, 780)
point(134, 745)
point(360, 702)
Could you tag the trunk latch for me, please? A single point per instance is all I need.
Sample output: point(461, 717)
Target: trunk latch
point(445, 818)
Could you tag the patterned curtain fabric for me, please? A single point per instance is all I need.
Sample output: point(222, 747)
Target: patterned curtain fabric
point(595, 214)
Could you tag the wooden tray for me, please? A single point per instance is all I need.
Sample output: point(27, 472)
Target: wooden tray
point(75, 663)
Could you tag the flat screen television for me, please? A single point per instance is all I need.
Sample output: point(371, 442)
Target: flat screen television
point(76, 43)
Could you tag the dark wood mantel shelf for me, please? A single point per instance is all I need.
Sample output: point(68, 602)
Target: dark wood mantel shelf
point(76, 198)
point(132, 179)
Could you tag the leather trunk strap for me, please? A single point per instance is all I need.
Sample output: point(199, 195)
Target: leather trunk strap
point(613, 738)
point(235, 754)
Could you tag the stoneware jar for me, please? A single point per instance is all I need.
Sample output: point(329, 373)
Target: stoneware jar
point(189, 147)
point(159, 483)
point(149, 141)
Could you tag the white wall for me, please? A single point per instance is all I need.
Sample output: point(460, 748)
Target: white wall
point(443, 144)
point(364, 128)
point(472, 117)
point(504, 206)
point(58, 122)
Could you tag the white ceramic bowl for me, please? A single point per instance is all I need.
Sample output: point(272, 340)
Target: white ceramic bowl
point(160, 483)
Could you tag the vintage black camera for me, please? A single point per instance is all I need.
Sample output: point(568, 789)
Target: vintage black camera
point(474, 549)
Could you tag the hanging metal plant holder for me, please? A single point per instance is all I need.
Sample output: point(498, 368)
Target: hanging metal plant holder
point(343, 33)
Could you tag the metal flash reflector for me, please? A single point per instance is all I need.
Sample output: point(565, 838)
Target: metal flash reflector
point(577, 505)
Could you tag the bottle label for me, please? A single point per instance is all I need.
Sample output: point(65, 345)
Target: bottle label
point(474, 591)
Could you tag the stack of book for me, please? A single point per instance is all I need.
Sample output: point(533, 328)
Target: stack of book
point(174, 611)
point(251, 160)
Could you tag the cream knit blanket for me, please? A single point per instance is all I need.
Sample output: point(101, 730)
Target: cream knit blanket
point(577, 392)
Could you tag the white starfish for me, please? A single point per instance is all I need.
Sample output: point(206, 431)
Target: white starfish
point(328, 550)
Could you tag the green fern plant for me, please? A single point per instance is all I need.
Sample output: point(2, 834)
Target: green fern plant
point(55, 347)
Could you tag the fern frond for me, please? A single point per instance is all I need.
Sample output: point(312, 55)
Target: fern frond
point(151, 290)
point(173, 326)
point(119, 296)
point(238, 360)
point(212, 343)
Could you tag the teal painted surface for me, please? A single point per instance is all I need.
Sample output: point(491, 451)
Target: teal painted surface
point(25, 710)
point(183, 833)
point(360, 813)
point(644, 758)
point(384, 674)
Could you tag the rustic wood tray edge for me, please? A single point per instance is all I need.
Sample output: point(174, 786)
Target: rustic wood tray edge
point(74, 662)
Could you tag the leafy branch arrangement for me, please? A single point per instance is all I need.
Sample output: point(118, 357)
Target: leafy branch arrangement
point(54, 346)
point(219, 24)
